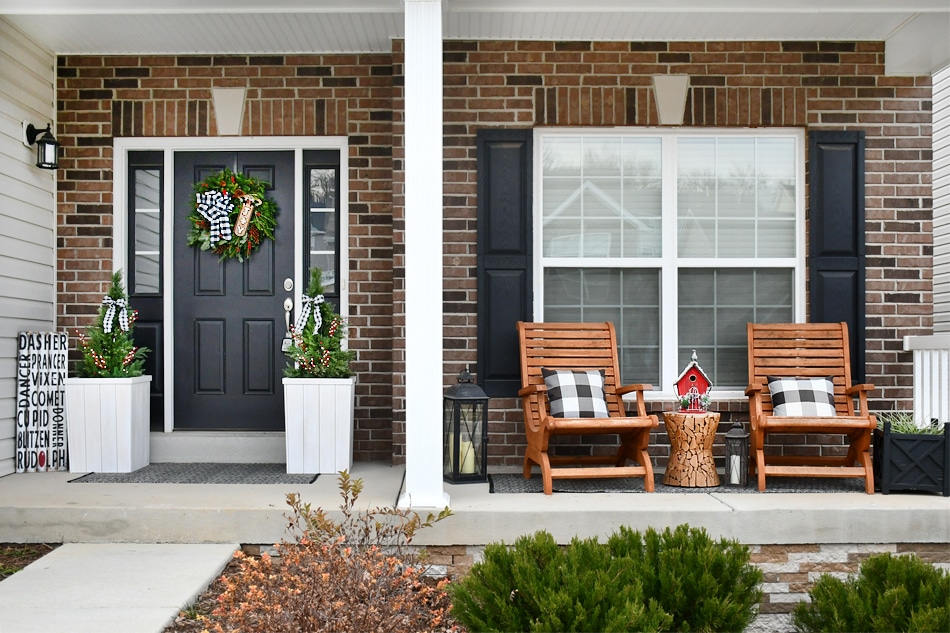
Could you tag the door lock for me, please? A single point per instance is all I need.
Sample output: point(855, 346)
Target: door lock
point(288, 308)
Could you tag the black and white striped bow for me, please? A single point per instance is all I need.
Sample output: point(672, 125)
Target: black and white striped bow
point(309, 304)
point(111, 305)
point(215, 207)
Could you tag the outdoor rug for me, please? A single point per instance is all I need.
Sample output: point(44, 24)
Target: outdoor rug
point(205, 473)
point(516, 483)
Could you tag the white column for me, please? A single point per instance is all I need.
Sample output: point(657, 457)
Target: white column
point(423, 242)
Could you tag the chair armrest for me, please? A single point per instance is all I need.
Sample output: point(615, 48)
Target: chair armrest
point(755, 404)
point(639, 389)
point(530, 390)
point(862, 393)
point(624, 389)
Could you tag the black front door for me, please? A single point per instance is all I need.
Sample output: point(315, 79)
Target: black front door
point(229, 315)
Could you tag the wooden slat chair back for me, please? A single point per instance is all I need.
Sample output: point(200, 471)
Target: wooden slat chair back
point(580, 346)
point(807, 350)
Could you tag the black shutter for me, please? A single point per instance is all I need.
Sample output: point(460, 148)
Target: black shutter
point(504, 255)
point(836, 236)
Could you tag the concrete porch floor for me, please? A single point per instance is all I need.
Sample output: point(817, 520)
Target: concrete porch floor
point(44, 507)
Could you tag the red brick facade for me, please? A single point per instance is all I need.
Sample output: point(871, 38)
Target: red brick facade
point(510, 84)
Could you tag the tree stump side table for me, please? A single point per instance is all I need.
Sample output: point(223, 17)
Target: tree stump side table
point(691, 440)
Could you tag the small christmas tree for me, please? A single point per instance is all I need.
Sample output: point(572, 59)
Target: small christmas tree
point(317, 337)
point(106, 346)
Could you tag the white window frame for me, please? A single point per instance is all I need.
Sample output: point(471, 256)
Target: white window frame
point(669, 262)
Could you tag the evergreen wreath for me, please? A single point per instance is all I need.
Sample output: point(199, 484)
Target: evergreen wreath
point(231, 215)
point(106, 346)
point(317, 337)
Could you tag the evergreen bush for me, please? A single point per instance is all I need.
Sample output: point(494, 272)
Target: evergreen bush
point(316, 349)
point(677, 580)
point(889, 593)
point(106, 346)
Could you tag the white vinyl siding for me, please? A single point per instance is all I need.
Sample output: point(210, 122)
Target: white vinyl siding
point(27, 215)
point(941, 199)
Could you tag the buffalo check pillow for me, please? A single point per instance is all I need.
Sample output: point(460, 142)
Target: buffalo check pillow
point(575, 394)
point(802, 397)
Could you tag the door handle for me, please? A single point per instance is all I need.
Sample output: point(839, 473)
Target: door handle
point(288, 308)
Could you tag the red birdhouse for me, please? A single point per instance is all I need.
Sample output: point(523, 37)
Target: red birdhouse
point(692, 388)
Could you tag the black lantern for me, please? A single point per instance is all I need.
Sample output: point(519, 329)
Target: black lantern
point(47, 147)
point(465, 432)
point(737, 456)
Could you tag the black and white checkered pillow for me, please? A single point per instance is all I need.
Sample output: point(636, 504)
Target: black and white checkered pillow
point(802, 397)
point(575, 394)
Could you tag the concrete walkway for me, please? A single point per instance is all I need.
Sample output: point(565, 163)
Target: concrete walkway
point(94, 588)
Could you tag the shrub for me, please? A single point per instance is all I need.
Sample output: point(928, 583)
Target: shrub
point(316, 349)
point(106, 346)
point(678, 580)
point(889, 593)
point(355, 574)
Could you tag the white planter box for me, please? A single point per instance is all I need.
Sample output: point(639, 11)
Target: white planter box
point(107, 424)
point(318, 424)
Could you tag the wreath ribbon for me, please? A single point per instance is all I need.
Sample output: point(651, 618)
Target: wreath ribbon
point(215, 207)
point(112, 304)
point(309, 304)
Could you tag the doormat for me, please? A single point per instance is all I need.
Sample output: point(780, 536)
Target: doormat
point(516, 483)
point(203, 473)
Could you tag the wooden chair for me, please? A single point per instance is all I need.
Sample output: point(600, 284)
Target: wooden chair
point(807, 350)
point(580, 346)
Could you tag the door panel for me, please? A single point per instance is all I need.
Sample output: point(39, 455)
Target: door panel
point(229, 319)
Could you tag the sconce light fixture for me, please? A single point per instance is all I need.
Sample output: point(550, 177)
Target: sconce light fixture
point(47, 147)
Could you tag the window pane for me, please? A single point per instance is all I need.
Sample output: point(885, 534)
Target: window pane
point(601, 198)
point(715, 306)
point(147, 219)
point(323, 229)
point(602, 157)
point(561, 157)
point(327, 270)
point(746, 186)
point(630, 299)
point(323, 188)
point(146, 274)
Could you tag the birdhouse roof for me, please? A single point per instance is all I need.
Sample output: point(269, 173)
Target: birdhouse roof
point(693, 364)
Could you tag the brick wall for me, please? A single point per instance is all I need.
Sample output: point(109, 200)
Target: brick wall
point(830, 85)
point(789, 571)
point(101, 98)
point(833, 85)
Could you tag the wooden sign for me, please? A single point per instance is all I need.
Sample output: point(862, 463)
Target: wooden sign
point(41, 402)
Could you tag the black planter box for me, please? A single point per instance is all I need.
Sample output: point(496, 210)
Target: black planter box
point(912, 461)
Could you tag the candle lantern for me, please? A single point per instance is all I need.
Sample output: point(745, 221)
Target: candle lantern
point(737, 455)
point(465, 432)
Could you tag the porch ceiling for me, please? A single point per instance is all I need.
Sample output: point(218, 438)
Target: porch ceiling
point(307, 26)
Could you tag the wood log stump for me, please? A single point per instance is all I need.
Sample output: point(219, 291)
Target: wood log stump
point(691, 441)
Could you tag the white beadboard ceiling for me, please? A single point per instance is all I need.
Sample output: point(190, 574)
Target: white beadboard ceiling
point(318, 26)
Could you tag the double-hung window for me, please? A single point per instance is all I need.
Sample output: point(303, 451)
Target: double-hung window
point(679, 237)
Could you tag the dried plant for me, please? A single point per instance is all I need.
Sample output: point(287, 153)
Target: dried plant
point(355, 574)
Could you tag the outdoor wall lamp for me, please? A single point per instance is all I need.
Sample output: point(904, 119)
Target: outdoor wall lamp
point(47, 147)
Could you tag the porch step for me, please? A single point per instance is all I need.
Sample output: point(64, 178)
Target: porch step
point(216, 446)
